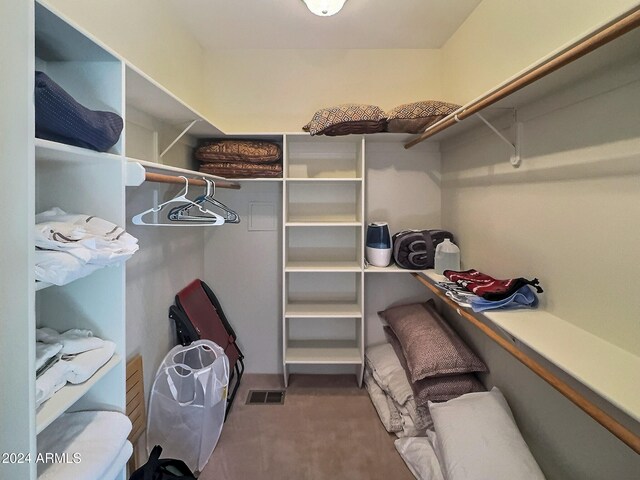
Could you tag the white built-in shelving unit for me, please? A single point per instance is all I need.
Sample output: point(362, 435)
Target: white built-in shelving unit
point(79, 180)
point(323, 228)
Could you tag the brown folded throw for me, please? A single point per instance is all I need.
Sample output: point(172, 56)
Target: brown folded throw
point(252, 151)
point(242, 170)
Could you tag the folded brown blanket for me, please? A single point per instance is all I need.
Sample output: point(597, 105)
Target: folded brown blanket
point(242, 169)
point(241, 151)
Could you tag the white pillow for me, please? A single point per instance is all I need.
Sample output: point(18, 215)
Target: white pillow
point(479, 440)
point(388, 372)
point(419, 456)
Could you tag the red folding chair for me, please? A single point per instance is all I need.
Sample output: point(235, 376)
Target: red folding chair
point(203, 310)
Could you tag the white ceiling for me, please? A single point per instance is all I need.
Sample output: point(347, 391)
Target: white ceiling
point(279, 24)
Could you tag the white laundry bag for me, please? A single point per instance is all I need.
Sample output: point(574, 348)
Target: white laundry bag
point(188, 402)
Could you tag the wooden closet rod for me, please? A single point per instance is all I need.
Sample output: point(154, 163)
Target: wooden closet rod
point(598, 39)
point(160, 178)
point(604, 419)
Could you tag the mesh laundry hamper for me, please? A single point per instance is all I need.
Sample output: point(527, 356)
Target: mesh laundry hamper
point(187, 403)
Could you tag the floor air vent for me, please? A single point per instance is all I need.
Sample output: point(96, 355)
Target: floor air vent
point(265, 397)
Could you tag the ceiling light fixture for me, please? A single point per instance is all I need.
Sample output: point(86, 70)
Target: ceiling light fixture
point(324, 8)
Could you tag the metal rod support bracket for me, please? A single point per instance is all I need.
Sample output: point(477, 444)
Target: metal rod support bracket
point(182, 134)
point(515, 159)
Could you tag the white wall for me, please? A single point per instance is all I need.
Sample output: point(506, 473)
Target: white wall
point(169, 258)
point(565, 441)
point(567, 216)
point(279, 90)
point(242, 267)
point(148, 36)
point(403, 189)
point(502, 37)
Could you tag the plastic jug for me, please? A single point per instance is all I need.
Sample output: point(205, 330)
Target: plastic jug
point(447, 256)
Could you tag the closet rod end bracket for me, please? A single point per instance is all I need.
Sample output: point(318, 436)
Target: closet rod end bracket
point(516, 158)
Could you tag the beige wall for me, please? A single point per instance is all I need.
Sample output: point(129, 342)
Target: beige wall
point(279, 90)
point(569, 215)
point(144, 32)
point(502, 37)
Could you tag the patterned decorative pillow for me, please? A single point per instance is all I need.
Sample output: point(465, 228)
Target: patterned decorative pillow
point(350, 118)
point(431, 348)
point(436, 389)
point(416, 117)
point(252, 151)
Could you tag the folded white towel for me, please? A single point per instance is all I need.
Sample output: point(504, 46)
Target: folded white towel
point(91, 239)
point(51, 381)
point(45, 351)
point(84, 365)
point(96, 438)
point(73, 341)
point(61, 268)
point(119, 463)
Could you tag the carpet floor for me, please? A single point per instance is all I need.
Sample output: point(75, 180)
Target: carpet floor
point(327, 429)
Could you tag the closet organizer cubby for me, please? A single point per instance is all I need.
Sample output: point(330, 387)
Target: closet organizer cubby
point(80, 180)
point(323, 212)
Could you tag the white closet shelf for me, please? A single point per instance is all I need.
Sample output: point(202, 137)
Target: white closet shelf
point(323, 266)
point(393, 268)
point(47, 150)
point(42, 285)
point(148, 96)
point(322, 310)
point(329, 352)
point(68, 395)
point(328, 221)
point(606, 369)
point(324, 179)
point(275, 180)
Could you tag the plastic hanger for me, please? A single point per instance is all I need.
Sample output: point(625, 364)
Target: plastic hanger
point(208, 218)
point(183, 213)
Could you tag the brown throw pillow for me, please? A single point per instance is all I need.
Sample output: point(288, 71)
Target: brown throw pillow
point(416, 117)
point(430, 346)
point(435, 389)
point(252, 151)
point(350, 118)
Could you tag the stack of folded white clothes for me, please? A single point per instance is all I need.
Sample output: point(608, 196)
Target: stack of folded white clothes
point(73, 356)
point(92, 445)
point(71, 246)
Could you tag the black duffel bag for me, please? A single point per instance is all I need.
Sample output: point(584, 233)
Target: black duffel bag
point(165, 469)
point(416, 249)
point(60, 118)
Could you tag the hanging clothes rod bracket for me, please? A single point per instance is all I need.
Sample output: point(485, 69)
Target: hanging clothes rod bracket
point(182, 134)
point(515, 159)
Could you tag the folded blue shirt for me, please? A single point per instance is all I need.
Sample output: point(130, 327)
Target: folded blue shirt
point(522, 298)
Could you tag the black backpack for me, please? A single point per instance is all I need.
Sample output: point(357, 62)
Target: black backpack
point(416, 249)
point(165, 469)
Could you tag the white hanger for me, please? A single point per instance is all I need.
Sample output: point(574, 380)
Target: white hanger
point(211, 219)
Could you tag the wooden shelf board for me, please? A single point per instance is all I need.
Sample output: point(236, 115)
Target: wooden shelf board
point(606, 369)
point(327, 266)
point(327, 352)
point(68, 395)
point(322, 310)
